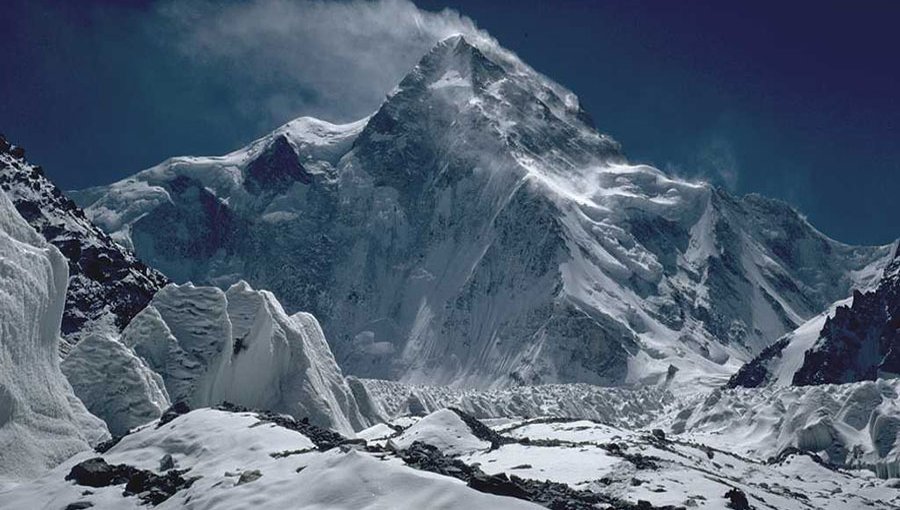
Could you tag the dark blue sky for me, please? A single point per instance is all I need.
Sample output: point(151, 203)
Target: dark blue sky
point(795, 100)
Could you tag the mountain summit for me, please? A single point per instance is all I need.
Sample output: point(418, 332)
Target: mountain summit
point(478, 231)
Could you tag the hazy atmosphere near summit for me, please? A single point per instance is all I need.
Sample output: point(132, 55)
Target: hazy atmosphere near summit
point(386, 254)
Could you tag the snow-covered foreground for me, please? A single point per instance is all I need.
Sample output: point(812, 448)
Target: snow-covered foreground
point(247, 460)
point(245, 463)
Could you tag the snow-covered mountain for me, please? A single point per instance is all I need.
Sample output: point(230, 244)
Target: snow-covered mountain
point(477, 230)
point(856, 339)
point(41, 421)
point(108, 285)
point(240, 346)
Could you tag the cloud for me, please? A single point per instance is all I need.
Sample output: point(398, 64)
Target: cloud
point(717, 163)
point(282, 59)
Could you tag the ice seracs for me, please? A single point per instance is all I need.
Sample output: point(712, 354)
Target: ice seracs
point(239, 346)
point(42, 423)
point(114, 383)
point(850, 425)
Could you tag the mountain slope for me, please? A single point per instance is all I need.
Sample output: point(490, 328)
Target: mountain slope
point(857, 339)
point(477, 230)
point(107, 284)
point(41, 421)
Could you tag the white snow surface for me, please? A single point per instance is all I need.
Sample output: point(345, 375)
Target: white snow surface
point(41, 421)
point(219, 446)
point(114, 383)
point(240, 346)
point(445, 430)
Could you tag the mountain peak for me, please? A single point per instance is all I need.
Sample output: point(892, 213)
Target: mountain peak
point(453, 63)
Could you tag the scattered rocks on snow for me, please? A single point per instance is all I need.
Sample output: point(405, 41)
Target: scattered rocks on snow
point(249, 476)
point(79, 505)
point(482, 431)
point(177, 409)
point(324, 439)
point(166, 463)
point(148, 486)
point(737, 500)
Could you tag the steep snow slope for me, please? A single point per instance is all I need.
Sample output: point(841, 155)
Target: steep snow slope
point(861, 341)
point(856, 339)
point(41, 421)
point(240, 346)
point(478, 231)
point(107, 284)
point(114, 383)
point(778, 363)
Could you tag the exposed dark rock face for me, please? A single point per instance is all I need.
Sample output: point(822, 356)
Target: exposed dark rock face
point(737, 499)
point(276, 169)
point(108, 285)
point(861, 342)
point(148, 486)
point(756, 372)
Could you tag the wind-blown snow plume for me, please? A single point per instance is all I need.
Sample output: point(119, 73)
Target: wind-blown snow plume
point(334, 59)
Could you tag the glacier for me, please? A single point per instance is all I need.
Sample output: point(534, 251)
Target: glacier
point(114, 383)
